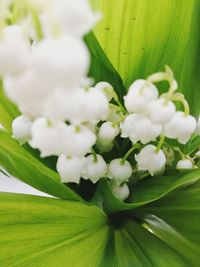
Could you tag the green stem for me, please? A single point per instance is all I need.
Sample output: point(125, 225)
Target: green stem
point(180, 98)
point(94, 155)
point(128, 153)
point(161, 142)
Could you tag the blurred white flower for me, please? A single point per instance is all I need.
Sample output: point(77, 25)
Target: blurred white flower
point(119, 191)
point(184, 164)
point(21, 129)
point(14, 51)
point(107, 132)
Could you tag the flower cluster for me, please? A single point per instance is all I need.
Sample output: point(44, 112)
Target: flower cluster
point(44, 64)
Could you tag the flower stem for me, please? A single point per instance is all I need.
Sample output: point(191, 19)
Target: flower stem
point(94, 155)
point(161, 142)
point(180, 98)
point(128, 153)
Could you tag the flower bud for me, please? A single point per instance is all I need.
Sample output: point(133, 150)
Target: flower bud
point(139, 128)
point(180, 127)
point(119, 171)
point(148, 159)
point(107, 132)
point(184, 164)
point(119, 191)
point(106, 89)
point(160, 112)
point(21, 129)
point(70, 168)
point(94, 169)
point(140, 93)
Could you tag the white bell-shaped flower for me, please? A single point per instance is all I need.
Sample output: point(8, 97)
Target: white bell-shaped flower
point(60, 105)
point(49, 138)
point(80, 140)
point(69, 17)
point(63, 61)
point(148, 159)
point(88, 105)
point(119, 191)
point(94, 168)
point(184, 164)
point(139, 128)
point(14, 51)
point(21, 129)
point(180, 127)
point(119, 171)
point(107, 132)
point(27, 87)
point(106, 88)
point(70, 168)
point(160, 111)
point(140, 93)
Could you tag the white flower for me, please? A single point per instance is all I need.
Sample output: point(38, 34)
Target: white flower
point(119, 171)
point(80, 140)
point(148, 159)
point(31, 110)
point(198, 126)
point(21, 129)
point(70, 168)
point(159, 111)
point(87, 105)
point(139, 95)
point(69, 17)
point(119, 191)
point(184, 164)
point(14, 51)
point(106, 89)
point(94, 169)
point(50, 139)
point(107, 132)
point(27, 87)
point(63, 61)
point(139, 128)
point(180, 127)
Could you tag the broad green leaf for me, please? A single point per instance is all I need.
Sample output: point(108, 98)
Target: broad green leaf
point(38, 231)
point(174, 219)
point(141, 37)
point(22, 165)
point(52, 232)
point(101, 68)
point(146, 191)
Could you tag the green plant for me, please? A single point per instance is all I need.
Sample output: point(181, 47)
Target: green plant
point(159, 225)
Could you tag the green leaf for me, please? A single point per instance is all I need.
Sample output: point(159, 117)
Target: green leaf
point(101, 68)
point(146, 191)
point(8, 111)
point(22, 165)
point(38, 231)
point(174, 219)
point(141, 37)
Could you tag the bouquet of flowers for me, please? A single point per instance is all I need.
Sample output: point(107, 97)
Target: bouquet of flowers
point(99, 108)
